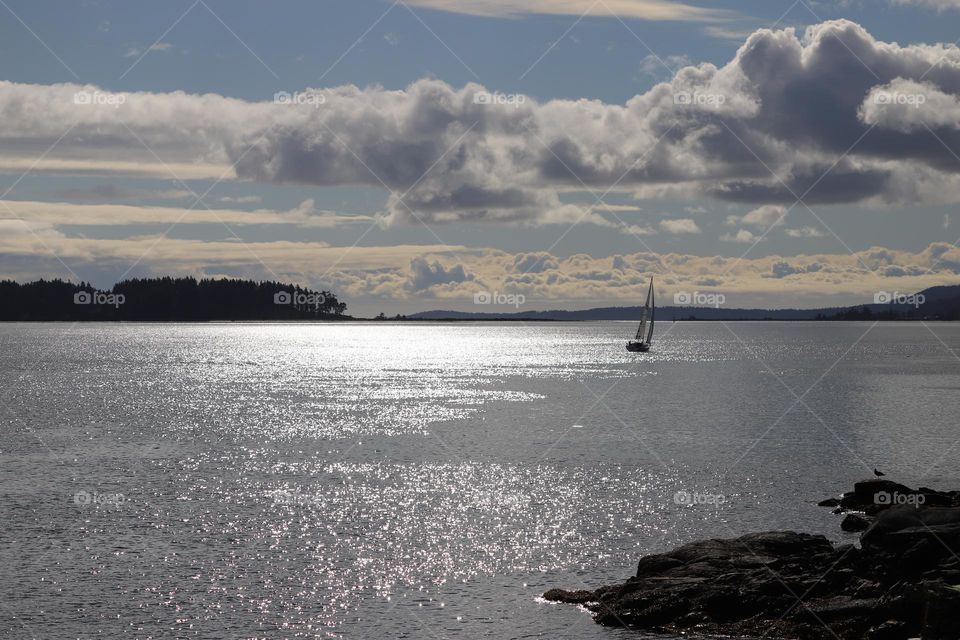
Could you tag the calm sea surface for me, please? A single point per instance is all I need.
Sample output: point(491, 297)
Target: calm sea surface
point(426, 480)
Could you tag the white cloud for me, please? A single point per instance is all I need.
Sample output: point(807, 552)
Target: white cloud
point(157, 46)
point(679, 226)
point(454, 158)
point(939, 5)
point(727, 33)
point(240, 199)
point(657, 66)
point(762, 217)
point(643, 9)
point(424, 273)
point(743, 236)
point(99, 215)
point(112, 192)
point(804, 232)
point(765, 216)
point(637, 230)
point(908, 106)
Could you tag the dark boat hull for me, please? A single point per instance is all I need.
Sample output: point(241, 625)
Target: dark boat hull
point(638, 346)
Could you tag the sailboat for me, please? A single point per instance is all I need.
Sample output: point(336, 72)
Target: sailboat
point(645, 331)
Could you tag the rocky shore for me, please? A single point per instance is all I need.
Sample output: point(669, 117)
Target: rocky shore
point(902, 581)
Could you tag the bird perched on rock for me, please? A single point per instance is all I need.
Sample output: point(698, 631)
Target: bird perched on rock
point(879, 474)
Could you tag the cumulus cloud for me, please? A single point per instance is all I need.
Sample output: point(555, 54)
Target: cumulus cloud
point(657, 66)
point(782, 269)
point(762, 217)
point(417, 275)
point(637, 230)
point(679, 226)
point(424, 275)
point(907, 106)
point(788, 103)
point(534, 262)
point(743, 236)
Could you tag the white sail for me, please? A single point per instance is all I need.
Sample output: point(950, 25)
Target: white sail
point(652, 304)
point(643, 333)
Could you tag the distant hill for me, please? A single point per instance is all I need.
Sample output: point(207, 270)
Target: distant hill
point(632, 313)
point(940, 303)
point(935, 303)
point(166, 299)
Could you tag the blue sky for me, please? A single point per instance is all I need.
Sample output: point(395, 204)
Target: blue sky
point(300, 40)
point(404, 256)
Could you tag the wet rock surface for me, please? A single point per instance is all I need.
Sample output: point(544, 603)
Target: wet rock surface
point(903, 581)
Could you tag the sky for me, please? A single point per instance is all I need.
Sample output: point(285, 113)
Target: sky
point(411, 154)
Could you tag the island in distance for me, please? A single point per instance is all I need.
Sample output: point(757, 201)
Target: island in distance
point(187, 299)
point(939, 303)
point(166, 300)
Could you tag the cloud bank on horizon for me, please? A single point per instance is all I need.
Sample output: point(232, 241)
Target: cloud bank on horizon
point(831, 115)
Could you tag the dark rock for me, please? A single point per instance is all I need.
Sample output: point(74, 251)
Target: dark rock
point(936, 499)
point(867, 489)
point(650, 565)
point(829, 502)
point(940, 619)
point(889, 630)
point(950, 576)
point(853, 523)
point(899, 527)
point(896, 585)
point(868, 589)
point(570, 597)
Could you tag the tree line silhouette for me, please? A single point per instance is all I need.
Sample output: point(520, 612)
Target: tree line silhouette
point(166, 299)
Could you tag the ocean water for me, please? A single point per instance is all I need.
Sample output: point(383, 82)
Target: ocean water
point(426, 480)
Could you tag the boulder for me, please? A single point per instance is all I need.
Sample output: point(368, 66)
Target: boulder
point(581, 596)
point(898, 584)
point(854, 523)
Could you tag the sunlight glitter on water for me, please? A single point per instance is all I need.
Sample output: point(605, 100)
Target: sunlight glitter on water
point(373, 480)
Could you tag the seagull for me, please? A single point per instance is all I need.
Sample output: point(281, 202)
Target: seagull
point(879, 474)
